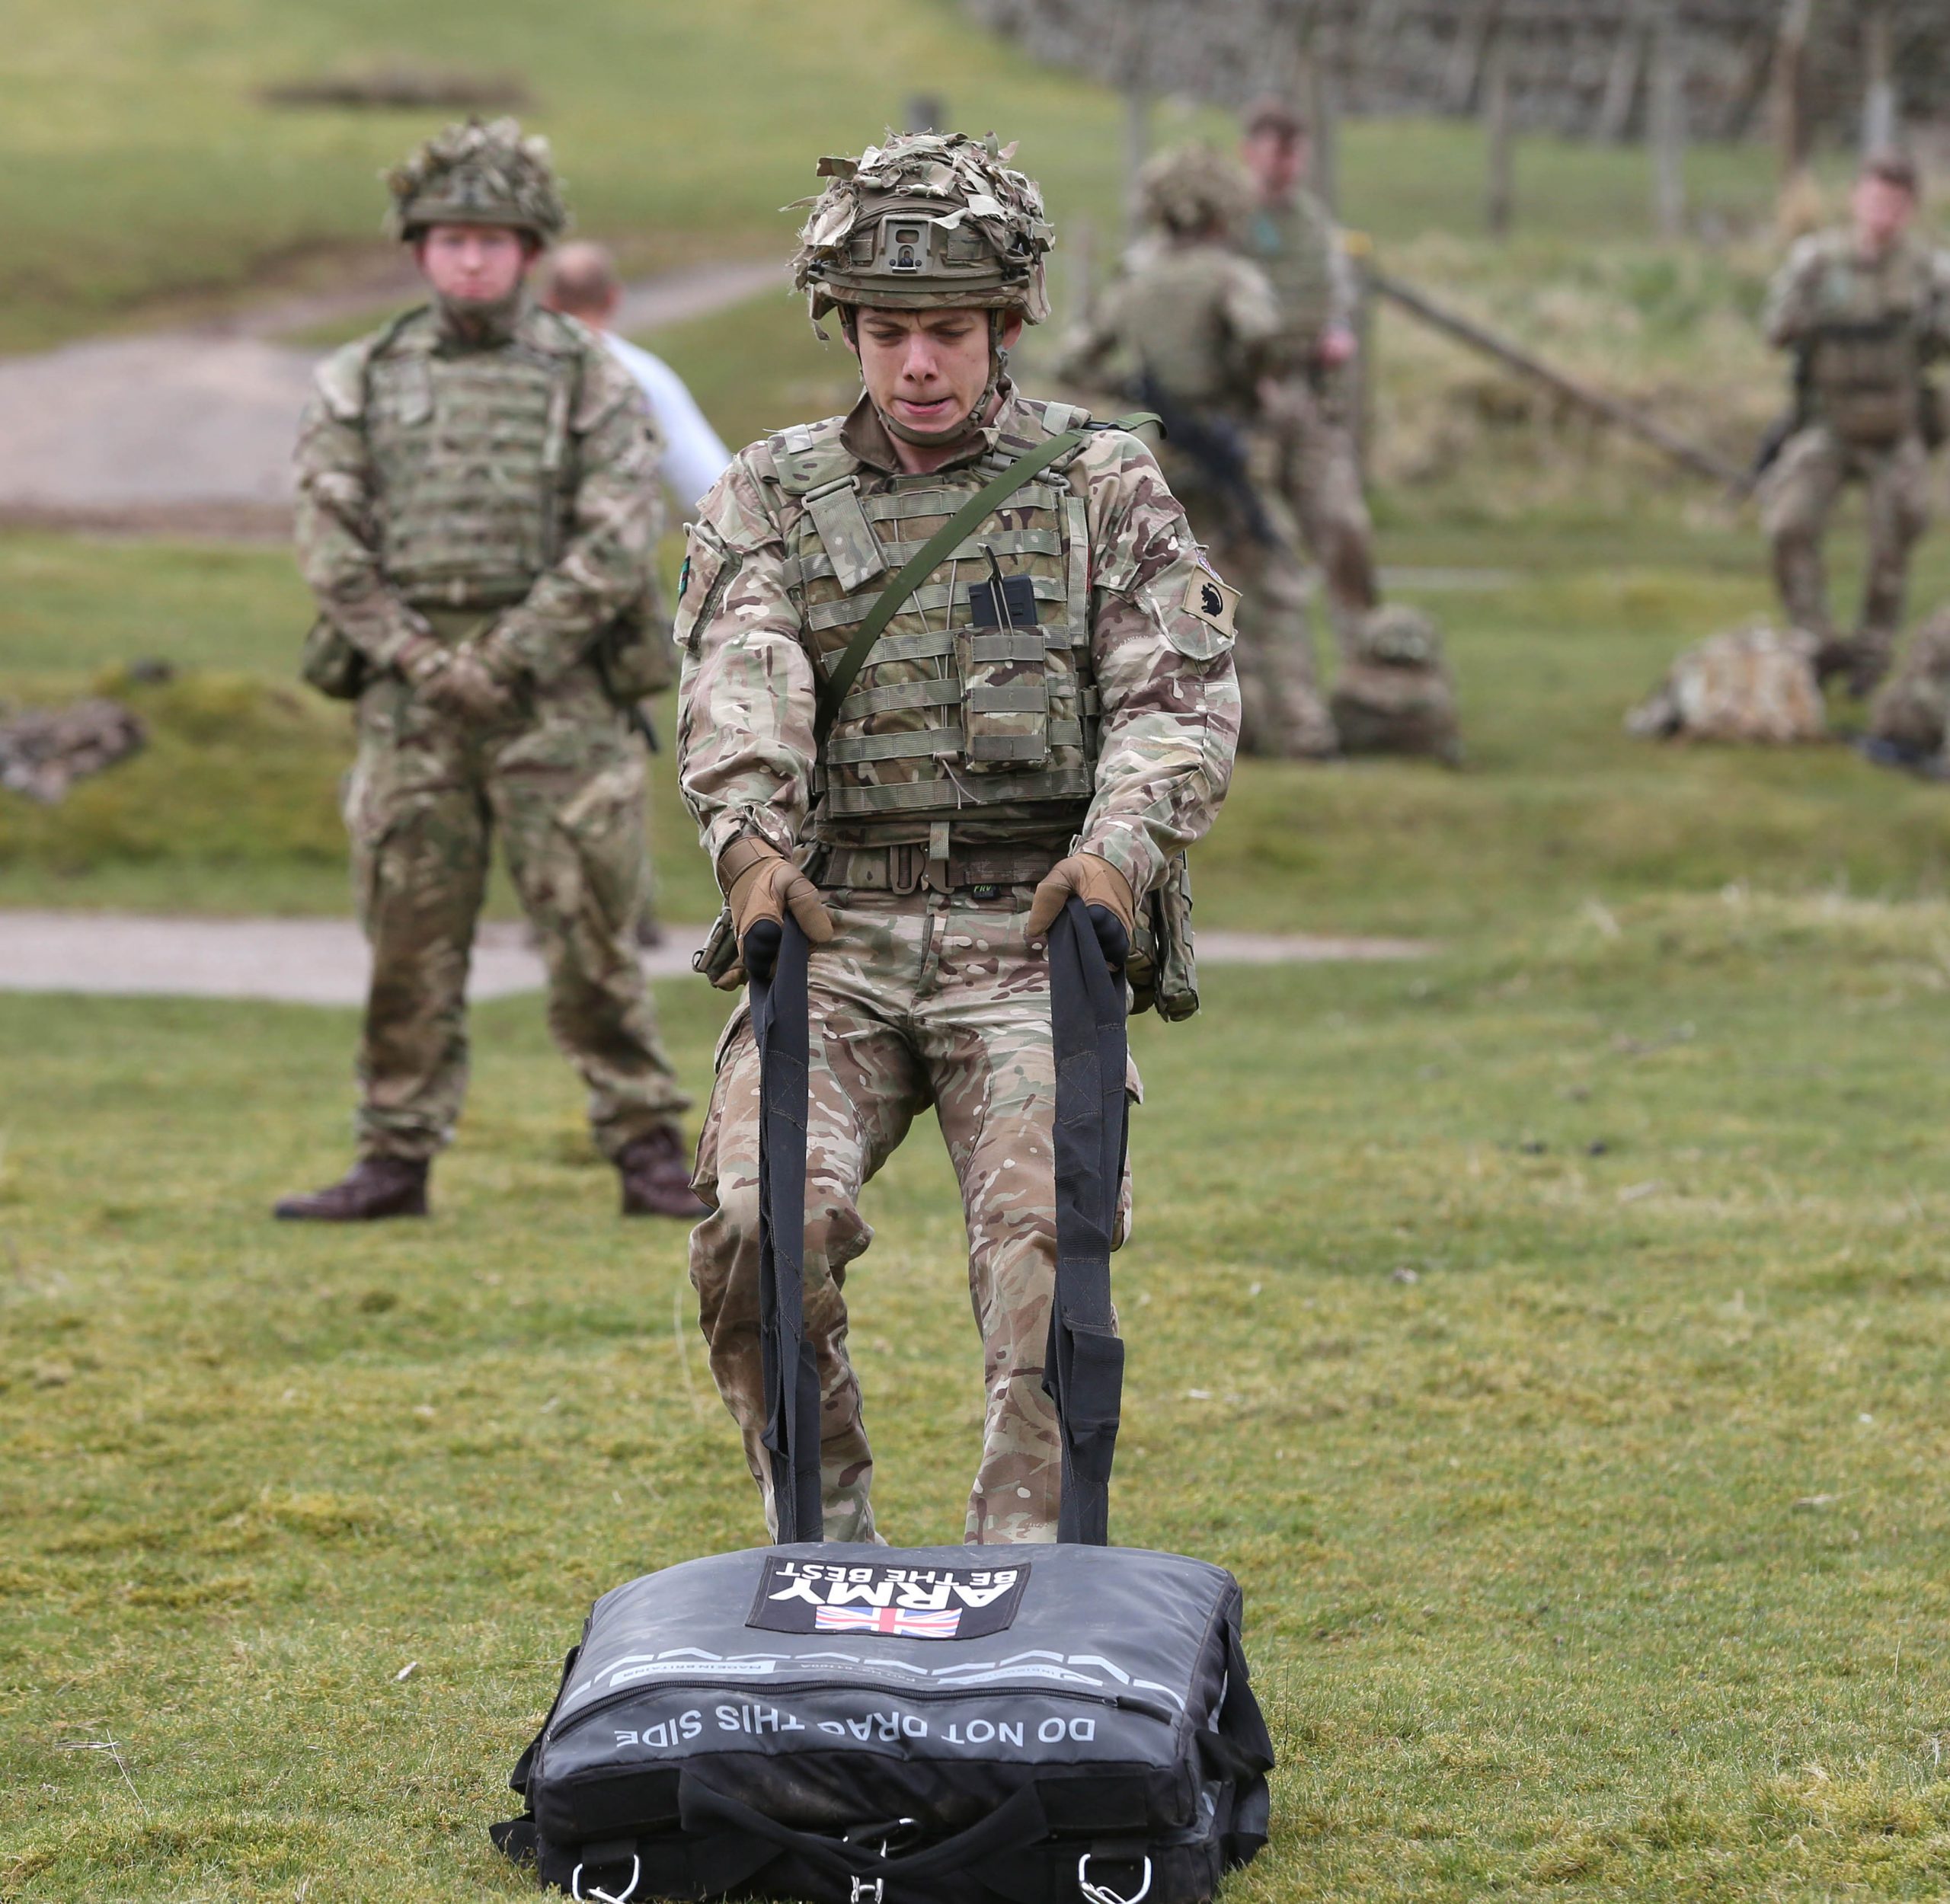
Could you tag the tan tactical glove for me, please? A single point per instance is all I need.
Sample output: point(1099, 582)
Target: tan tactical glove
point(761, 885)
point(1105, 893)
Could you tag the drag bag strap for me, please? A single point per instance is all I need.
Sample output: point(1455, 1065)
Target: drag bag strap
point(1015, 1823)
point(791, 1434)
point(1084, 1364)
point(933, 552)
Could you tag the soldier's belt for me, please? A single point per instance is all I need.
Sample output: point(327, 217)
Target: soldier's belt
point(907, 869)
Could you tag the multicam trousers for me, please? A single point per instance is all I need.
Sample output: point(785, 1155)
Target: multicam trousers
point(1282, 716)
point(920, 998)
point(1308, 459)
point(1797, 498)
point(563, 781)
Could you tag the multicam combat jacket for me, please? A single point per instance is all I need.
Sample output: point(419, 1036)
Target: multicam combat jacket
point(515, 476)
point(1296, 245)
point(1868, 326)
point(1090, 698)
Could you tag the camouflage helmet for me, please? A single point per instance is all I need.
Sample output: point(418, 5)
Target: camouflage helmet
point(928, 220)
point(1194, 188)
point(478, 174)
point(1397, 636)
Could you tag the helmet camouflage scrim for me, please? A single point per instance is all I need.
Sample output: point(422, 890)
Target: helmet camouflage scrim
point(927, 220)
point(1194, 188)
point(478, 174)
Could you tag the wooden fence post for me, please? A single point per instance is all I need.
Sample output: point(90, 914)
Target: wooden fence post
point(1879, 125)
point(1789, 84)
point(1666, 127)
point(1496, 205)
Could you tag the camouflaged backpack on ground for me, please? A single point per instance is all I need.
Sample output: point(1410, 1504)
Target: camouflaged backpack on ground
point(1753, 684)
point(1394, 693)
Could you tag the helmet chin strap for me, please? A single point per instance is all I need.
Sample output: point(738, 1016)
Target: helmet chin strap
point(966, 426)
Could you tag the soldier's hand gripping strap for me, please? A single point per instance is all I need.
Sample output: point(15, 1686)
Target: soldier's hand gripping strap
point(1084, 1367)
point(935, 552)
point(791, 1374)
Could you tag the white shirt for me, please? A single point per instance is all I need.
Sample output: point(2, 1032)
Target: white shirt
point(694, 458)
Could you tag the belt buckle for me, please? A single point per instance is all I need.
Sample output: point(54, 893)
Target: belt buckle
point(904, 867)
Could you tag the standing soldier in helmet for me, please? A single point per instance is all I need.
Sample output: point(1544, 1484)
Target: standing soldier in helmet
point(477, 515)
point(1199, 324)
point(1051, 713)
point(1863, 309)
point(1393, 694)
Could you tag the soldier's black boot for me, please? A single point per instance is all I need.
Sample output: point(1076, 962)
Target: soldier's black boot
point(1868, 661)
point(375, 1187)
point(657, 1177)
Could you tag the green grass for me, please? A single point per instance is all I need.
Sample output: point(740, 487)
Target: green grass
point(140, 171)
point(233, 807)
point(1552, 1337)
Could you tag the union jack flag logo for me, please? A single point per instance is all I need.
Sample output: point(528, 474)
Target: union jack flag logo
point(904, 1622)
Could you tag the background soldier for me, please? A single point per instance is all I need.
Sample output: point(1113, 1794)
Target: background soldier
point(478, 514)
point(1291, 236)
point(979, 772)
point(1393, 693)
point(1864, 309)
point(1200, 324)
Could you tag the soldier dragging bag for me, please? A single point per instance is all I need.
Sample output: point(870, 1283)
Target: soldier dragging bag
point(957, 693)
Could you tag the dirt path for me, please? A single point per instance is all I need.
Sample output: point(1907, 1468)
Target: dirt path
point(323, 961)
point(192, 429)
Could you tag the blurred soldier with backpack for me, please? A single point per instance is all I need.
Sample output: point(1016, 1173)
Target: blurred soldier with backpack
point(1393, 694)
point(1198, 327)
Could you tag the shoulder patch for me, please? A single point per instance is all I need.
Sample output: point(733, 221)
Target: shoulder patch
point(1209, 600)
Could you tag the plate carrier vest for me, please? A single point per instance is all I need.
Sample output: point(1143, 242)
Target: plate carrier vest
point(968, 714)
point(1865, 365)
point(436, 424)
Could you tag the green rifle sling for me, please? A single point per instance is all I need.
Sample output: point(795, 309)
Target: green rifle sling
point(933, 553)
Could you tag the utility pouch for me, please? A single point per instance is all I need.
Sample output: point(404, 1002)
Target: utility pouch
point(635, 654)
point(717, 958)
point(1162, 968)
point(331, 663)
point(1004, 673)
point(1932, 420)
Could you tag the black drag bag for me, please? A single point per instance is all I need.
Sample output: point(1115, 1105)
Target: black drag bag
point(936, 1725)
point(996, 1725)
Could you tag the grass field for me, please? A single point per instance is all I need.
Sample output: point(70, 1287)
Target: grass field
point(1552, 1337)
point(233, 807)
point(1552, 1333)
point(141, 172)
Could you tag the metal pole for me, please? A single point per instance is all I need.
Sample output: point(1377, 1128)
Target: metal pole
point(1496, 121)
point(1879, 125)
point(1137, 148)
point(1790, 86)
point(1622, 79)
point(1626, 417)
point(1324, 110)
point(1668, 123)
